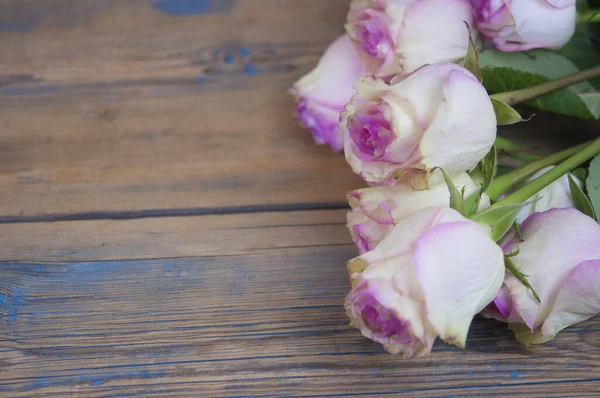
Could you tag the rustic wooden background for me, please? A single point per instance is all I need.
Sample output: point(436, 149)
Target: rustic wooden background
point(166, 229)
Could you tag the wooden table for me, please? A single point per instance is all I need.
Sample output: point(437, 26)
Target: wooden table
point(166, 229)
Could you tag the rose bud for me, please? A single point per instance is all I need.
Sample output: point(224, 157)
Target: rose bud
point(376, 210)
point(555, 196)
point(560, 254)
point(427, 278)
point(398, 36)
point(438, 116)
point(323, 92)
point(525, 24)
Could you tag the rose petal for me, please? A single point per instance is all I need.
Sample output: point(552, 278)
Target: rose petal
point(578, 298)
point(555, 241)
point(408, 230)
point(434, 31)
point(561, 3)
point(464, 129)
point(330, 83)
point(460, 270)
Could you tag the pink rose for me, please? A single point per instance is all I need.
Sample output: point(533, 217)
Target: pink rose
point(427, 279)
point(376, 210)
point(561, 256)
point(438, 116)
point(397, 36)
point(322, 93)
point(518, 25)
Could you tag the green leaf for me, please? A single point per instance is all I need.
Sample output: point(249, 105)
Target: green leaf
point(472, 59)
point(500, 219)
point(580, 173)
point(472, 203)
point(593, 185)
point(513, 71)
point(505, 114)
point(583, 52)
point(457, 202)
point(580, 200)
point(592, 100)
point(488, 167)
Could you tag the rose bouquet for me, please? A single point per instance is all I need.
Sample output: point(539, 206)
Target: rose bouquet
point(414, 93)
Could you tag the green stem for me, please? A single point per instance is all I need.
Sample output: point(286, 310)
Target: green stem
point(511, 266)
point(548, 178)
point(526, 94)
point(588, 16)
point(502, 184)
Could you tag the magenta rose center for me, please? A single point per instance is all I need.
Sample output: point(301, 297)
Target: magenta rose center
point(373, 36)
point(371, 132)
point(384, 322)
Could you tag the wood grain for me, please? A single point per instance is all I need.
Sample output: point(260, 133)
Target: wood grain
point(168, 230)
point(245, 325)
point(212, 235)
point(119, 106)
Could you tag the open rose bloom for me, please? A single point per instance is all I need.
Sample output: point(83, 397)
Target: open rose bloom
point(322, 93)
point(376, 210)
point(561, 256)
point(426, 279)
point(397, 36)
point(438, 116)
point(518, 25)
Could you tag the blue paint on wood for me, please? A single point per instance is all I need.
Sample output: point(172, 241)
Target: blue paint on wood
point(96, 382)
point(516, 375)
point(244, 52)
point(18, 25)
point(250, 69)
point(44, 382)
point(228, 59)
point(201, 79)
point(49, 89)
point(11, 304)
point(22, 20)
point(194, 7)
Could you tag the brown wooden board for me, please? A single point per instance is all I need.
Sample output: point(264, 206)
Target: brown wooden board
point(167, 229)
point(254, 324)
point(120, 106)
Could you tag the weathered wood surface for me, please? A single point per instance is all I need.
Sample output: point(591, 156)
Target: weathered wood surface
point(211, 235)
point(166, 229)
point(253, 324)
point(121, 106)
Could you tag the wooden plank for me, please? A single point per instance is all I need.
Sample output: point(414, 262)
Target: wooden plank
point(122, 106)
point(260, 324)
point(235, 234)
point(67, 42)
point(127, 106)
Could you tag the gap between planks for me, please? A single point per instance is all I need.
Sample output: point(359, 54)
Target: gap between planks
point(165, 213)
point(172, 237)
